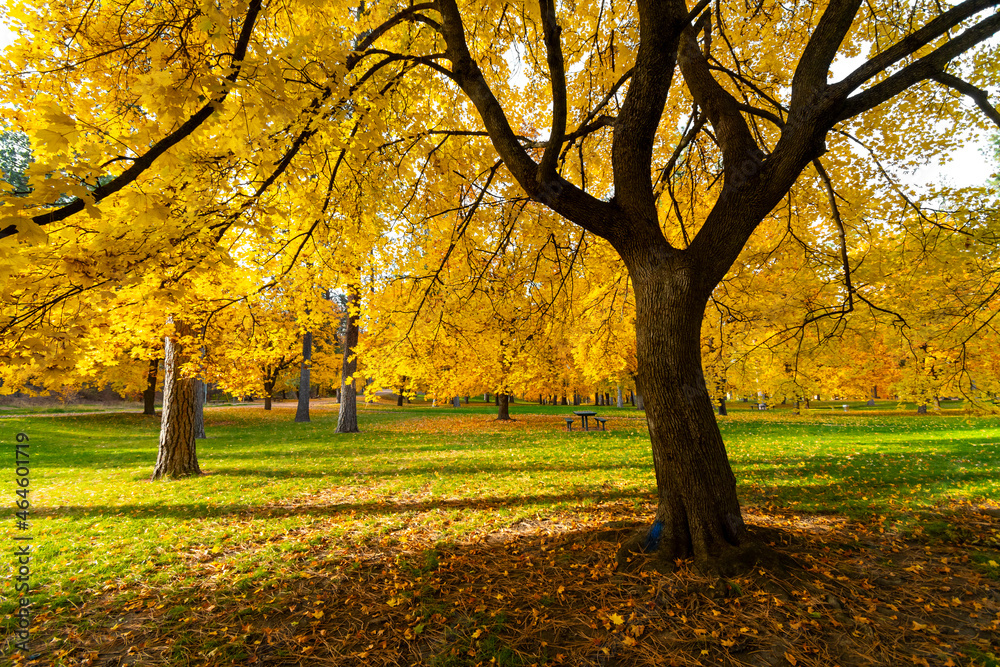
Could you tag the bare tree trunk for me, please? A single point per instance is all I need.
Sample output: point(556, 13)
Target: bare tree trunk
point(268, 393)
point(621, 401)
point(199, 409)
point(177, 455)
point(399, 398)
point(302, 409)
point(698, 512)
point(149, 393)
point(722, 406)
point(347, 420)
point(503, 412)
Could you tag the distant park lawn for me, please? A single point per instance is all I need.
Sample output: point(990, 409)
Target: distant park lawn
point(266, 558)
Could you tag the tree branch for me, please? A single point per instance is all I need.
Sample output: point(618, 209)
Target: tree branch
point(978, 95)
point(143, 162)
point(557, 77)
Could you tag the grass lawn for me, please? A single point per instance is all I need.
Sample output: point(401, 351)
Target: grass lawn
point(440, 537)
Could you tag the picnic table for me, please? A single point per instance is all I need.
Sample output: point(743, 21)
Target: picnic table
point(583, 414)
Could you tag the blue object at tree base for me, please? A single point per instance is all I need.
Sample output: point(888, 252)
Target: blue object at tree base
point(653, 536)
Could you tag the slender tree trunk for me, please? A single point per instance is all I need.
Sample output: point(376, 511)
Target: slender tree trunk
point(503, 412)
point(302, 409)
point(722, 406)
point(177, 455)
point(399, 398)
point(149, 393)
point(621, 400)
point(347, 420)
point(268, 393)
point(199, 409)
point(698, 512)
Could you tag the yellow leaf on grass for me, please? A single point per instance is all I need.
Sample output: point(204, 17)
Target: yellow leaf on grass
point(616, 619)
point(791, 659)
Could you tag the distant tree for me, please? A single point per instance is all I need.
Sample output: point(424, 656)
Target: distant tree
point(15, 158)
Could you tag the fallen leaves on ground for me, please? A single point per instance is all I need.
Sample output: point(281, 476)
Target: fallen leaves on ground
point(546, 591)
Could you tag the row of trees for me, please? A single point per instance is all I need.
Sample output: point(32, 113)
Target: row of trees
point(514, 186)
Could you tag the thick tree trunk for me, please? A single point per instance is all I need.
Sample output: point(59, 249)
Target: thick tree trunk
point(177, 455)
point(564, 400)
point(698, 513)
point(302, 409)
point(621, 400)
point(149, 393)
point(347, 420)
point(503, 411)
point(199, 409)
point(399, 398)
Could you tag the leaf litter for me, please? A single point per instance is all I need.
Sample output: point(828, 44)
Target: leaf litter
point(545, 591)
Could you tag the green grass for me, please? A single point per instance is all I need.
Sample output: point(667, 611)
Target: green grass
point(276, 491)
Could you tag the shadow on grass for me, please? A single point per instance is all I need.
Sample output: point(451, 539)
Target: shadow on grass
point(386, 507)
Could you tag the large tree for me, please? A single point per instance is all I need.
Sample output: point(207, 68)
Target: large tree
point(672, 132)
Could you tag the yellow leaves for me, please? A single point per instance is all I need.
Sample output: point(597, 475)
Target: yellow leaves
point(27, 230)
point(616, 619)
point(54, 129)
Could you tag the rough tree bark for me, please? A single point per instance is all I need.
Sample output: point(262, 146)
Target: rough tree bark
point(177, 455)
point(347, 420)
point(503, 409)
point(302, 410)
point(149, 393)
